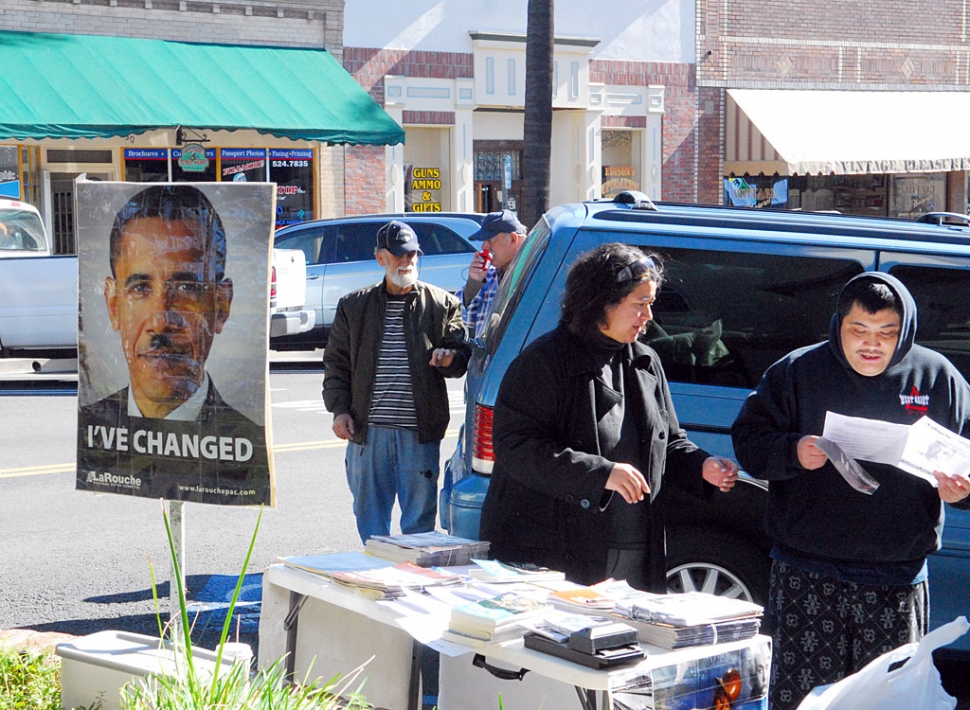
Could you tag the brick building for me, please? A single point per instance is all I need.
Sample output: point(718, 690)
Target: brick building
point(853, 105)
point(453, 74)
point(681, 100)
point(282, 39)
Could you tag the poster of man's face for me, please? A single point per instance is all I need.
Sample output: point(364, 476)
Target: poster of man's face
point(173, 342)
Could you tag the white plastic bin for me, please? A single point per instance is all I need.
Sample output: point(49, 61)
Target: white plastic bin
point(96, 667)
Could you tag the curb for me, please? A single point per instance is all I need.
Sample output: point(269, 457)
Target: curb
point(34, 641)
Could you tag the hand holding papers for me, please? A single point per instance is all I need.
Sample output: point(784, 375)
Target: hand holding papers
point(919, 449)
point(931, 447)
point(851, 470)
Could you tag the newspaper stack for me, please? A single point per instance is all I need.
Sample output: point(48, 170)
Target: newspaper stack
point(429, 549)
point(582, 600)
point(675, 621)
point(495, 572)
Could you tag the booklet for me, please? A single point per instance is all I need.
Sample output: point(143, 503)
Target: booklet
point(920, 448)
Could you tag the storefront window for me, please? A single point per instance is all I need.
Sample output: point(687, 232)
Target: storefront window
point(427, 160)
point(914, 195)
point(848, 194)
point(756, 192)
point(292, 171)
point(31, 175)
point(243, 164)
point(621, 162)
point(490, 164)
point(10, 171)
point(146, 164)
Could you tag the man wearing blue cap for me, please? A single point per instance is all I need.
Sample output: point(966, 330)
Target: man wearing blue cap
point(502, 235)
point(390, 347)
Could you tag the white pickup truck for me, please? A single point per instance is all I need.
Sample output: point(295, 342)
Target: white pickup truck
point(39, 299)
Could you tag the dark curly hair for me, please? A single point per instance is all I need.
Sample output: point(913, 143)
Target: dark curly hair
point(597, 281)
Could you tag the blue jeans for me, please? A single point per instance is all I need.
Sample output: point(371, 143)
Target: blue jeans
point(393, 463)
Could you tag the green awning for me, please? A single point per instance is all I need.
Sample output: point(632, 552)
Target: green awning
point(83, 86)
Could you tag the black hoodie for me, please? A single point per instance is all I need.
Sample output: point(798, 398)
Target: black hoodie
point(816, 519)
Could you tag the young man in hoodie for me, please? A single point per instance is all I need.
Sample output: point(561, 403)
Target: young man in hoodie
point(849, 575)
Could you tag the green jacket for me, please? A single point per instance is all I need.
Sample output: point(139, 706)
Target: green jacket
point(432, 319)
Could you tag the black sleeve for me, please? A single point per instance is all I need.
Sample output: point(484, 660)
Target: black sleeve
point(531, 444)
point(764, 435)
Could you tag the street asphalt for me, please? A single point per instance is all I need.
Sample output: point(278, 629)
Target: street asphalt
point(207, 593)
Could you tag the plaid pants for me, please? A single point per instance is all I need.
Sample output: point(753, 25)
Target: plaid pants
point(825, 629)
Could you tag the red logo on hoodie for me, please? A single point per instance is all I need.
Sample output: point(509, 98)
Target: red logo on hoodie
point(915, 402)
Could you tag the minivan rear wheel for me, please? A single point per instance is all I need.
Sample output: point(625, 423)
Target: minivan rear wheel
point(713, 562)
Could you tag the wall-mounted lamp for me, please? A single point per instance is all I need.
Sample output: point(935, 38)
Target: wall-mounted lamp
point(195, 137)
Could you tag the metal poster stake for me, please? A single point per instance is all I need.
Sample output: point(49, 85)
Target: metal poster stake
point(177, 521)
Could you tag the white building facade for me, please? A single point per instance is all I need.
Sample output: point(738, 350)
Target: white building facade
point(452, 73)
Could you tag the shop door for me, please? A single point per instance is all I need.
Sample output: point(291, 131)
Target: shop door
point(488, 196)
point(63, 236)
point(62, 214)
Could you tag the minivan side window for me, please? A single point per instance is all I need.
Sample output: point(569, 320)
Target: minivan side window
point(436, 239)
point(723, 318)
point(943, 310)
point(356, 241)
point(312, 241)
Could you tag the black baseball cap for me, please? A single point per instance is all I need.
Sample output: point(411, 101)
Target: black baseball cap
point(501, 222)
point(398, 238)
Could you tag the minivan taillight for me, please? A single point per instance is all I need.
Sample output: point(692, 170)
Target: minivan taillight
point(272, 285)
point(483, 455)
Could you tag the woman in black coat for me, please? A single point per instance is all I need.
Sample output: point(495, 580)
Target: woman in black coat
point(584, 430)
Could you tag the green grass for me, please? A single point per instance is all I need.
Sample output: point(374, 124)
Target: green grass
point(190, 688)
point(29, 681)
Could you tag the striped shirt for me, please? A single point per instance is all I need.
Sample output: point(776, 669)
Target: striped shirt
point(392, 404)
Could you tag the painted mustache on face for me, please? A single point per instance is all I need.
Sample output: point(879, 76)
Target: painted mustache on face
point(162, 344)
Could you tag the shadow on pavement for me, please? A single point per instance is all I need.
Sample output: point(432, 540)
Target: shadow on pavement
point(208, 603)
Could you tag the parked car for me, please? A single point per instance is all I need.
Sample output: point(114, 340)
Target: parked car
point(340, 259)
point(769, 280)
point(38, 289)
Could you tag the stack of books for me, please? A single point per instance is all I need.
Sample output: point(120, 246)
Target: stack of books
point(493, 620)
point(581, 600)
point(430, 549)
point(675, 621)
point(391, 582)
point(327, 564)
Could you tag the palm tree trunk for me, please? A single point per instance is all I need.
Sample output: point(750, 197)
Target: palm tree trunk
point(538, 111)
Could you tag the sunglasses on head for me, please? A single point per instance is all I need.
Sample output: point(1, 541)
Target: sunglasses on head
point(635, 271)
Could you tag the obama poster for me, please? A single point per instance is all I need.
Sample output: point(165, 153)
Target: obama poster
point(173, 340)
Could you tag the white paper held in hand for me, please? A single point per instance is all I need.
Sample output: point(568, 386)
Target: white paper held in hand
point(920, 448)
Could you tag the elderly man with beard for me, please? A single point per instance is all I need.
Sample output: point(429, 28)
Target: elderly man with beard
point(390, 347)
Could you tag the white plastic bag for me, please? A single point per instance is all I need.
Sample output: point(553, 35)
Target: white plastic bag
point(913, 686)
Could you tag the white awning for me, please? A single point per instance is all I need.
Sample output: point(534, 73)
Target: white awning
point(846, 132)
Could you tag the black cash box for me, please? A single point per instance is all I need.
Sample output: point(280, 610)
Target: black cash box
point(601, 646)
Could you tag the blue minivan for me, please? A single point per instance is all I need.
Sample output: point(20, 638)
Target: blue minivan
point(751, 285)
